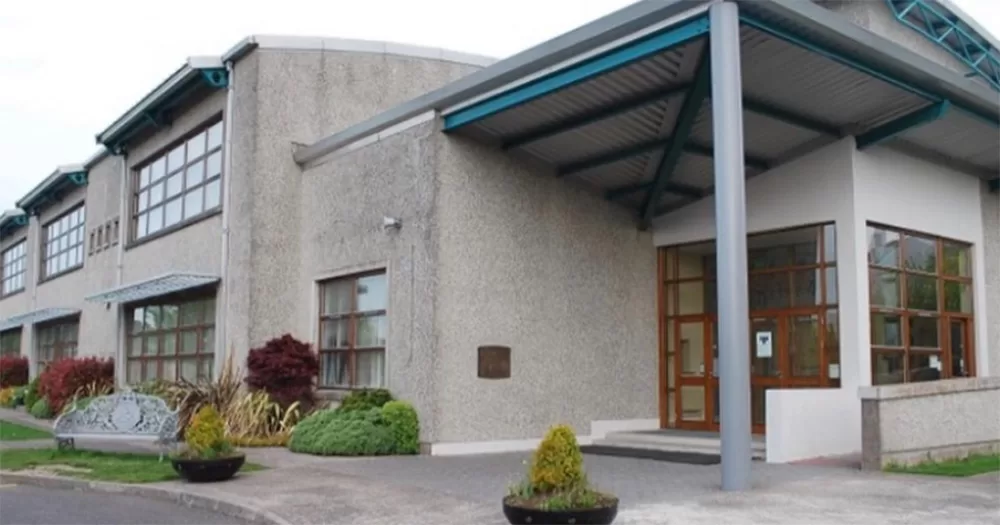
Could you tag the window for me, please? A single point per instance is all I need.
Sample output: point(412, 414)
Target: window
point(172, 340)
point(179, 186)
point(13, 268)
point(10, 342)
point(352, 332)
point(56, 341)
point(62, 243)
point(920, 291)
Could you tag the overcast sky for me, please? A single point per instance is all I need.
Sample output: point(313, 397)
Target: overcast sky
point(69, 68)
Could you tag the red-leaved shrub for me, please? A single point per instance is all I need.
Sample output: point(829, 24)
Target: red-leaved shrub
point(13, 371)
point(284, 368)
point(63, 378)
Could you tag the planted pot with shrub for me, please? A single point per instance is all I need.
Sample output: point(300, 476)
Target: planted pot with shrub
point(556, 490)
point(207, 456)
point(367, 423)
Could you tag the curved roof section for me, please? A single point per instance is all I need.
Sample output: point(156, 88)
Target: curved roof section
point(308, 43)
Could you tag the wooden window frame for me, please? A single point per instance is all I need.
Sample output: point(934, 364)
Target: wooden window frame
point(45, 256)
point(671, 319)
point(6, 337)
point(58, 349)
point(204, 357)
point(137, 188)
point(7, 275)
point(352, 316)
point(906, 313)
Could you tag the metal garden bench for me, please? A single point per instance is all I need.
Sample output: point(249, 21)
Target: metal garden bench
point(120, 416)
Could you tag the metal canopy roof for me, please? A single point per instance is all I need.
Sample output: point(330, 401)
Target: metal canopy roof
point(634, 122)
point(155, 287)
point(37, 316)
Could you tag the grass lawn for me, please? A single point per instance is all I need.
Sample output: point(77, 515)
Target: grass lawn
point(98, 466)
point(14, 432)
point(969, 466)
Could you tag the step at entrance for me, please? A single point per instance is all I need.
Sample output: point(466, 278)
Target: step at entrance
point(700, 448)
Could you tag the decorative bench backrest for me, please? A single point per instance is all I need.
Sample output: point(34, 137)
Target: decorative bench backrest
point(124, 414)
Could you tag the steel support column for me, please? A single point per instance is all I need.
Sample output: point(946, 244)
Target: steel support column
point(731, 245)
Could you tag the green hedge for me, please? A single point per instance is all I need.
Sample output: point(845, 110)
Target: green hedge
point(31, 395)
point(41, 409)
point(391, 429)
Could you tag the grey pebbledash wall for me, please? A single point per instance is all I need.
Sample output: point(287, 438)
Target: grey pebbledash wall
point(283, 98)
point(490, 252)
point(562, 277)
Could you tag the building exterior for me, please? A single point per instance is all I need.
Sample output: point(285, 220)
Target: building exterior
point(544, 204)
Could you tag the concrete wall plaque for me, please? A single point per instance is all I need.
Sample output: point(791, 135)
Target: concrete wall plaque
point(494, 362)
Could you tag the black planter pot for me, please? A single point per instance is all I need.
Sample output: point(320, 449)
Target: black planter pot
point(524, 516)
point(207, 470)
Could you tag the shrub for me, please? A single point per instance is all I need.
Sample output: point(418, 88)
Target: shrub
point(19, 394)
point(284, 368)
point(65, 377)
point(206, 435)
point(31, 395)
point(41, 409)
point(256, 418)
point(556, 480)
point(13, 371)
point(335, 433)
point(391, 429)
point(557, 463)
point(401, 418)
point(365, 399)
point(7, 397)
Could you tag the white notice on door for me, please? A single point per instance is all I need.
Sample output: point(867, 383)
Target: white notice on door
point(833, 370)
point(764, 343)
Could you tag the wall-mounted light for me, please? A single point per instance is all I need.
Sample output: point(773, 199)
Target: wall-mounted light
point(391, 223)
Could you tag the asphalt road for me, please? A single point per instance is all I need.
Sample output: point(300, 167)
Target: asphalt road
point(25, 505)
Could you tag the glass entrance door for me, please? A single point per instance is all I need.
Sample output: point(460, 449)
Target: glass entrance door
point(694, 368)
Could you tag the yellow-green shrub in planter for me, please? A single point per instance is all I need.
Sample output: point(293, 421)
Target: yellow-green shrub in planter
point(208, 455)
point(556, 490)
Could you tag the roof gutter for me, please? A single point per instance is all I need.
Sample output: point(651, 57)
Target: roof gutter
point(145, 109)
point(76, 173)
point(601, 31)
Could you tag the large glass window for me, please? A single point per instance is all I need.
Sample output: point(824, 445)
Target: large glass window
point(62, 243)
point(12, 268)
point(920, 291)
point(56, 341)
point(10, 342)
point(352, 332)
point(172, 340)
point(182, 185)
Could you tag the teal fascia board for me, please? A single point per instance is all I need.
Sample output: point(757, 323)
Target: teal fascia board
point(216, 77)
point(902, 124)
point(51, 193)
point(156, 116)
point(857, 65)
point(610, 61)
point(682, 131)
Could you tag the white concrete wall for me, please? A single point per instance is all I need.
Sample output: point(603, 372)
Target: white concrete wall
point(814, 188)
point(895, 189)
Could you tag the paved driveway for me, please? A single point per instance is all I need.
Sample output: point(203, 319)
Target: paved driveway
point(22, 505)
point(655, 492)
